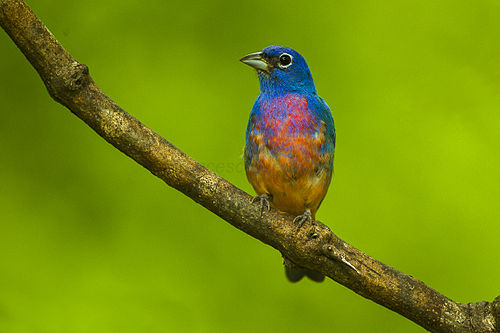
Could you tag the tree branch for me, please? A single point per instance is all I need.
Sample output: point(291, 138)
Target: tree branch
point(312, 246)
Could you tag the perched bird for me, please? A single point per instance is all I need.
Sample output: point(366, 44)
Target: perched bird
point(290, 141)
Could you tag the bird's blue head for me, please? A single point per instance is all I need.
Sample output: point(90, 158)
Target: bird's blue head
point(281, 69)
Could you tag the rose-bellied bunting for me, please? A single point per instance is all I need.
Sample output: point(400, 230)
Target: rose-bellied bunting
point(290, 141)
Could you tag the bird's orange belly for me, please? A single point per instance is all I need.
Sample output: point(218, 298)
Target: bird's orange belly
point(293, 191)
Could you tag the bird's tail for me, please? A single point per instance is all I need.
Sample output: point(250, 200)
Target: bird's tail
point(295, 273)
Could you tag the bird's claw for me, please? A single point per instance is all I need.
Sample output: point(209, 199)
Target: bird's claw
point(263, 200)
point(301, 219)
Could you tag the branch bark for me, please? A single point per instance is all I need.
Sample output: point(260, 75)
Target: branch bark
point(313, 246)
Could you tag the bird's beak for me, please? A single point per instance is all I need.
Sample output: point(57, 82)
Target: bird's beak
point(257, 61)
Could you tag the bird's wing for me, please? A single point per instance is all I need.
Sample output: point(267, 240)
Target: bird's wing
point(319, 106)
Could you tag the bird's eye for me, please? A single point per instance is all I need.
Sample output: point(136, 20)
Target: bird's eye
point(285, 60)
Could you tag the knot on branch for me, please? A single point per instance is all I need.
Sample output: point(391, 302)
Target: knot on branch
point(313, 236)
point(78, 76)
point(68, 80)
point(320, 232)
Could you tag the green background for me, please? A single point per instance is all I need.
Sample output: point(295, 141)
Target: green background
point(92, 242)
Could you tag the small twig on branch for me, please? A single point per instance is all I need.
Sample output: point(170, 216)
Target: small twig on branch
point(313, 246)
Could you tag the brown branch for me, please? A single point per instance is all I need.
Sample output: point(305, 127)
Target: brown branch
point(312, 246)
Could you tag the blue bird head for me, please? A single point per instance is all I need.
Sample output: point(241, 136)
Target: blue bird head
point(281, 69)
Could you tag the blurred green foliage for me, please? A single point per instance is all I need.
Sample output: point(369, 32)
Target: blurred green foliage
point(92, 242)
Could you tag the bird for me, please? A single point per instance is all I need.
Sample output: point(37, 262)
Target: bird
point(290, 141)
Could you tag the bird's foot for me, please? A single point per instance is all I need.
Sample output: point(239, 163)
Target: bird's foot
point(301, 219)
point(263, 199)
